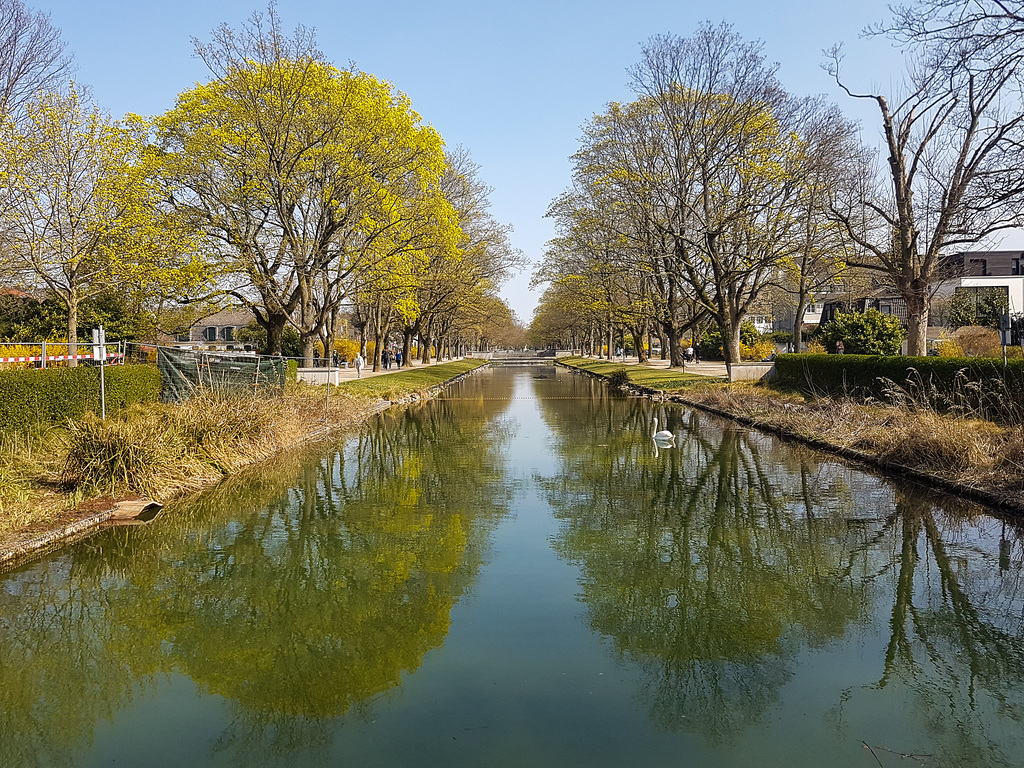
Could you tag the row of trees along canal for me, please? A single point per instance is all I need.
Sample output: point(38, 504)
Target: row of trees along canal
point(283, 184)
point(715, 192)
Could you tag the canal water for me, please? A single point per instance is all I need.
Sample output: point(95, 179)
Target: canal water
point(516, 574)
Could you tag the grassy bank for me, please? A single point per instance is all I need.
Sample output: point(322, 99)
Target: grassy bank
point(642, 376)
point(52, 475)
point(402, 384)
point(954, 446)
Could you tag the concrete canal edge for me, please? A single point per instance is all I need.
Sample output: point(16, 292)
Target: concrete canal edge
point(890, 468)
point(19, 553)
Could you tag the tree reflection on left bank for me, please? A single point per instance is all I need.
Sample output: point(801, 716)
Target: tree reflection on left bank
point(295, 610)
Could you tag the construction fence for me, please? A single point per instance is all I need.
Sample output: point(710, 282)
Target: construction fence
point(183, 371)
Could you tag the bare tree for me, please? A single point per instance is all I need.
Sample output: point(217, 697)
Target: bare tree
point(719, 190)
point(990, 30)
point(33, 56)
point(830, 156)
point(955, 145)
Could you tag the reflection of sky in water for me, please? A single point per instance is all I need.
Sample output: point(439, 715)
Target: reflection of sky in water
point(514, 575)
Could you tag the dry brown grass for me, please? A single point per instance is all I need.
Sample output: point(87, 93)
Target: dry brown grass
point(156, 451)
point(935, 443)
point(959, 448)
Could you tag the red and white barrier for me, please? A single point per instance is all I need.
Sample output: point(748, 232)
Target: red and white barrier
point(113, 357)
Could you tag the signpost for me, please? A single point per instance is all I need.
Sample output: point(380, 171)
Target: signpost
point(99, 352)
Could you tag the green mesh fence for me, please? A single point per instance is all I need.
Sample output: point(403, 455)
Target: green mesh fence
point(185, 371)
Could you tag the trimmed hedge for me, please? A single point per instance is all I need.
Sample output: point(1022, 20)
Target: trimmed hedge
point(53, 395)
point(976, 383)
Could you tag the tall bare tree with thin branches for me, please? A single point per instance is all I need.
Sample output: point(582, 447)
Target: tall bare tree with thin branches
point(955, 145)
point(33, 57)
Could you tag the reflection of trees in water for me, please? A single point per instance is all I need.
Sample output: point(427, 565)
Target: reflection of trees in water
point(297, 599)
point(956, 645)
point(705, 562)
point(711, 564)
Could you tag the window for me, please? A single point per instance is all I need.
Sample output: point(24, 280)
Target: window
point(229, 333)
point(885, 309)
point(1015, 267)
point(977, 267)
point(210, 334)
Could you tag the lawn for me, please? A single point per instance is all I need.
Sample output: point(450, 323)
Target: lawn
point(391, 386)
point(654, 378)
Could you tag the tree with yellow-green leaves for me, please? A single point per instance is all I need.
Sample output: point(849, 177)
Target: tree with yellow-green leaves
point(305, 179)
point(82, 210)
point(452, 284)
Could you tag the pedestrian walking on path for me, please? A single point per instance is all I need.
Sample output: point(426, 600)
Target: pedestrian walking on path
point(358, 362)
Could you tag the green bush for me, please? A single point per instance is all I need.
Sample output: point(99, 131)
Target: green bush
point(54, 395)
point(863, 333)
point(618, 378)
point(975, 386)
point(291, 342)
point(710, 346)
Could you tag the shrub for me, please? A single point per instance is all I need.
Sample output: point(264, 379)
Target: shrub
point(347, 348)
point(863, 333)
point(976, 387)
point(977, 341)
point(55, 395)
point(949, 348)
point(759, 350)
point(710, 346)
point(618, 378)
point(749, 334)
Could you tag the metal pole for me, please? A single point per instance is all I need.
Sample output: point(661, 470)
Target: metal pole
point(103, 388)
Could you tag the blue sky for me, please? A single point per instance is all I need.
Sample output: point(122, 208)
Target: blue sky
point(510, 81)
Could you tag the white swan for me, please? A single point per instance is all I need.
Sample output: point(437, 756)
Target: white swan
point(664, 434)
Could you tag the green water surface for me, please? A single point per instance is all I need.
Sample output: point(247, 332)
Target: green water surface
point(517, 575)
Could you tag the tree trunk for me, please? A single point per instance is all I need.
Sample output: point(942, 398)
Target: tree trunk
point(407, 334)
point(730, 329)
point(798, 322)
point(638, 342)
point(673, 336)
point(918, 301)
point(308, 344)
